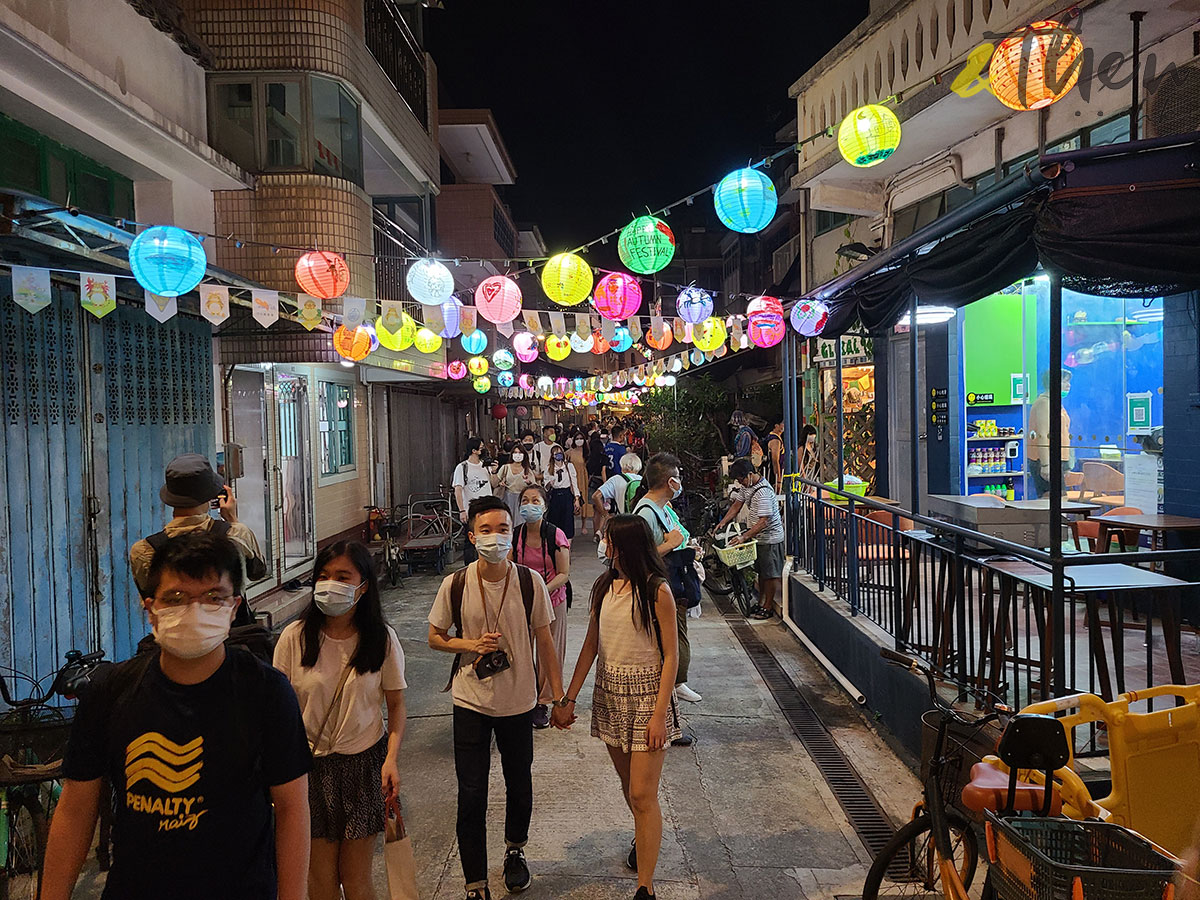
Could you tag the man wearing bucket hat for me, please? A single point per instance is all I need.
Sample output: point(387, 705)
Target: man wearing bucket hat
point(190, 485)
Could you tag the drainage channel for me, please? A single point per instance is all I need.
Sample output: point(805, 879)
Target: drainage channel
point(859, 804)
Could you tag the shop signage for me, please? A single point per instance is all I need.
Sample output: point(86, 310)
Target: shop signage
point(940, 417)
point(940, 393)
point(973, 398)
point(1138, 413)
point(855, 351)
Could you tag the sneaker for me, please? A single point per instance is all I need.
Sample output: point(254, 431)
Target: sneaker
point(643, 894)
point(631, 862)
point(541, 716)
point(684, 740)
point(479, 894)
point(516, 871)
point(683, 692)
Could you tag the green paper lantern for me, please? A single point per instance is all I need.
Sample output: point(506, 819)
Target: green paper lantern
point(646, 245)
point(868, 135)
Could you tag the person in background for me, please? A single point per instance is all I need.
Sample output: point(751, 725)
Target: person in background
point(543, 451)
point(204, 748)
point(346, 664)
point(809, 455)
point(472, 479)
point(527, 444)
point(515, 477)
point(1038, 449)
point(755, 493)
point(578, 460)
point(775, 461)
point(744, 437)
point(633, 702)
point(542, 546)
point(598, 472)
point(563, 490)
point(615, 449)
point(612, 497)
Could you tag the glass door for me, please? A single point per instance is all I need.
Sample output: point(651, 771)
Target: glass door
point(294, 470)
point(249, 406)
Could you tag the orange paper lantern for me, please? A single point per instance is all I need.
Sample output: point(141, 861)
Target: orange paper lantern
point(1036, 67)
point(660, 341)
point(322, 274)
point(353, 345)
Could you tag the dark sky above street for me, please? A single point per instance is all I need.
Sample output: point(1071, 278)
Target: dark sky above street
point(609, 106)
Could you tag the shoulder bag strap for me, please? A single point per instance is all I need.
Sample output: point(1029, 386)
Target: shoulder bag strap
point(333, 704)
point(457, 583)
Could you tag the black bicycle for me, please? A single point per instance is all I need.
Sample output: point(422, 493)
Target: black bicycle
point(716, 574)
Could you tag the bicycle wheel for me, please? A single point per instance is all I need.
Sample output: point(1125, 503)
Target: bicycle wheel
point(392, 559)
point(716, 573)
point(744, 594)
point(909, 864)
point(28, 829)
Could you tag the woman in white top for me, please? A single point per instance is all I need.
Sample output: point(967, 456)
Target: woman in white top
point(633, 634)
point(562, 486)
point(345, 664)
point(516, 476)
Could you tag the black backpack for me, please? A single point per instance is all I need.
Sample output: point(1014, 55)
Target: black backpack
point(547, 530)
point(458, 583)
point(256, 569)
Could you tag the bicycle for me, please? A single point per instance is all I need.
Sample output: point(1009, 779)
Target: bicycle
point(33, 738)
point(737, 559)
point(381, 526)
point(716, 573)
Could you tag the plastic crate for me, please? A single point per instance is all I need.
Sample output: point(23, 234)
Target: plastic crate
point(738, 556)
point(1062, 859)
point(857, 489)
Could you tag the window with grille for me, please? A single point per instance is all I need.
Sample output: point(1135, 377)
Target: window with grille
point(335, 403)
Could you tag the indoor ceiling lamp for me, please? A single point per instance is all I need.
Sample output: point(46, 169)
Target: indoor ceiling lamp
point(928, 315)
point(1036, 67)
point(868, 135)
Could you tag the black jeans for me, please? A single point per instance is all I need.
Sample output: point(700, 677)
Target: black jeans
point(472, 762)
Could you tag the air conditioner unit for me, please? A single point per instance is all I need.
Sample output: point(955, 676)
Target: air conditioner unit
point(1174, 105)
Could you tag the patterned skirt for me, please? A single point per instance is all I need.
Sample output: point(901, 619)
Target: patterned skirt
point(623, 704)
point(345, 794)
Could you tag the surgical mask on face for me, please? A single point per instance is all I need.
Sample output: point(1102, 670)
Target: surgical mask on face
point(193, 629)
point(678, 490)
point(559, 457)
point(528, 448)
point(518, 457)
point(493, 547)
point(335, 598)
point(551, 437)
point(532, 512)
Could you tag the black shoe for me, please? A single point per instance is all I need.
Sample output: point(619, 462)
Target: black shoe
point(516, 871)
point(632, 861)
point(759, 614)
point(479, 894)
point(684, 740)
point(541, 716)
point(643, 894)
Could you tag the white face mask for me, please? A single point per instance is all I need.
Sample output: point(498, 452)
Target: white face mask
point(192, 630)
point(493, 547)
point(335, 598)
point(518, 457)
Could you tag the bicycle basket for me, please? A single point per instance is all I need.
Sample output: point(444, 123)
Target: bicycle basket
point(1051, 859)
point(35, 736)
point(965, 746)
point(739, 556)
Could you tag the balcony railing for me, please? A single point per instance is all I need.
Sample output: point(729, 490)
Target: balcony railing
point(396, 50)
point(393, 248)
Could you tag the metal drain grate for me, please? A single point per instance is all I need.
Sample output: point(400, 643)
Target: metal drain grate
point(862, 809)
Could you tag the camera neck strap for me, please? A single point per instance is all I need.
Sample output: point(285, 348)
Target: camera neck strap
point(483, 597)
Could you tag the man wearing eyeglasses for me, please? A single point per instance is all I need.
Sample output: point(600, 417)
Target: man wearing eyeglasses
point(199, 743)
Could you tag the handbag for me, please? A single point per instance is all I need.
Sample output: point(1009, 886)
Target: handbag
point(337, 695)
point(398, 853)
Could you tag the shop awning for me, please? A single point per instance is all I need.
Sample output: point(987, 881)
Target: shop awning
point(1122, 220)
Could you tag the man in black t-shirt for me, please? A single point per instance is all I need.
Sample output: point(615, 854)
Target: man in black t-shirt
point(198, 742)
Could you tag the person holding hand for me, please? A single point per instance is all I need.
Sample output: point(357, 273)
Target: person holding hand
point(633, 702)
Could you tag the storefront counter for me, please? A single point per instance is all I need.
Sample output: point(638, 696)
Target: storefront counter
point(1020, 521)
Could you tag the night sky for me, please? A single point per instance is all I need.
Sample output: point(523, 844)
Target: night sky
point(607, 106)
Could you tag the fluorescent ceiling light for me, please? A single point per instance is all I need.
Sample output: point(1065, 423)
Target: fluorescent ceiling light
point(929, 315)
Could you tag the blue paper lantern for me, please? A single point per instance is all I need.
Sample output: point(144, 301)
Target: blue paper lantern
point(745, 201)
point(694, 305)
point(475, 342)
point(622, 340)
point(505, 379)
point(167, 261)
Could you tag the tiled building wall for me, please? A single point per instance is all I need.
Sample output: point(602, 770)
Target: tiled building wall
point(296, 210)
point(1181, 406)
point(466, 225)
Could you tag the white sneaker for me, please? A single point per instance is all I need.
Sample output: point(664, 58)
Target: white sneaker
point(683, 692)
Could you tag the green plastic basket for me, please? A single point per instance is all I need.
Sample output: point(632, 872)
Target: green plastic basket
point(859, 490)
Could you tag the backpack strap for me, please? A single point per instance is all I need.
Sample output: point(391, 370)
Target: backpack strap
point(458, 582)
point(525, 579)
point(159, 539)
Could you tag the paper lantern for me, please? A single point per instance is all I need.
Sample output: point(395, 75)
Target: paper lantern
point(646, 245)
point(525, 346)
point(697, 357)
point(475, 342)
point(499, 411)
point(451, 317)
point(618, 296)
point(477, 366)
point(567, 279)
point(765, 322)
point(400, 339)
point(167, 261)
point(322, 274)
point(868, 135)
point(694, 305)
point(502, 359)
point(505, 379)
point(581, 344)
point(525, 382)
point(457, 369)
point(809, 317)
point(662, 340)
point(426, 341)
point(545, 383)
point(429, 282)
point(709, 334)
point(745, 201)
point(370, 329)
point(498, 299)
point(558, 348)
point(622, 340)
point(482, 384)
point(1036, 67)
point(599, 344)
point(353, 345)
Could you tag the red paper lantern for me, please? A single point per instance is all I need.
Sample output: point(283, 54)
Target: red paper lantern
point(499, 411)
point(660, 341)
point(322, 274)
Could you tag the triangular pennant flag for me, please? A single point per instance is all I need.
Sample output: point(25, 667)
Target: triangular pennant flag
point(736, 331)
point(214, 302)
point(689, 332)
point(354, 309)
point(161, 308)
point(656, 328)
point(391, 314)
point(97, 293)
point(505, 328)
point(635, 328)
point(308, 311)
point(266, 307)
point(677, 327)
point(434, 320)
point(608, 329)
point(467, 319)
point(687, 360)
point(558, 324)
point(31, 288)
point(533, 322)
point(583, 326)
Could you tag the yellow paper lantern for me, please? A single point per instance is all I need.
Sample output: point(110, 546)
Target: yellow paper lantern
point(400, 339)
point(1035, 67)
point(427, 341)
point(558, 348)
point(477, 365)
point(868, 135)
point(709, 334)
point(567, 279)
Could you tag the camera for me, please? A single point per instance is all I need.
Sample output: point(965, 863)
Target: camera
point(490, 664)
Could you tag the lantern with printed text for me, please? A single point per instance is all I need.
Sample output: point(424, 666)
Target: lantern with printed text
point(167, 261)
point(1035, 67)
point(498, 299)
point(709, 334)
point(505, 379)
point(622, 340)
point(475, 342)
point(765, 321)
point(429, 282)
point(353, 345)
point(503, 360)
point(868, 135)
point(451, 317)
point(567, 279)
point(599, 344)
point(694, 305)
point(457, 369)
point(400, 339)
point(746, 201)
point(427, 341)
point(525, 346)
point(322, 274)
point(581, 344)
point(618, 296)
point(809, 317)
point(482, 384)
point(646, 245)
point(499, 411)
point(558, 348)
point(663, 339)
point(477, 365)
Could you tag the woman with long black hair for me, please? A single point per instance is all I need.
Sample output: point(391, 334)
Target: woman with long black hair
point(345, 664)
point(633, 640)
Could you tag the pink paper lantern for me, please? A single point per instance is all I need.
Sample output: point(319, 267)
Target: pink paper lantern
point(618, 296)
point(525, 382)
point(457, 369)
point(765, 315)
point(525, 346)
point(498, 299)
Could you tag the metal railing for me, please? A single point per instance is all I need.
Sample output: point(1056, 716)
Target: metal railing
point(393, 248)
point(398, 53)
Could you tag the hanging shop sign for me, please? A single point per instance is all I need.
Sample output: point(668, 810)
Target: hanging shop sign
point(856, 351)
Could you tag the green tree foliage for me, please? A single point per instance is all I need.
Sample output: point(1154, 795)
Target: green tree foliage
point(689, 418)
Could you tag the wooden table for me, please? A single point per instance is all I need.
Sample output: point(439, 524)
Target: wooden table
point(1157, 525)
point(1112, 501)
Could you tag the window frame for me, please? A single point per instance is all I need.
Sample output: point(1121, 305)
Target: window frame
point(348, 471)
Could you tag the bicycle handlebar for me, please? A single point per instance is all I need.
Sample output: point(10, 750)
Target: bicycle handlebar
point(73, 675)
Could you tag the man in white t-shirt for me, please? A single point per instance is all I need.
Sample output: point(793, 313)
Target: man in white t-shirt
point(542, 452)
point(502, 609)
point(472, 480)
